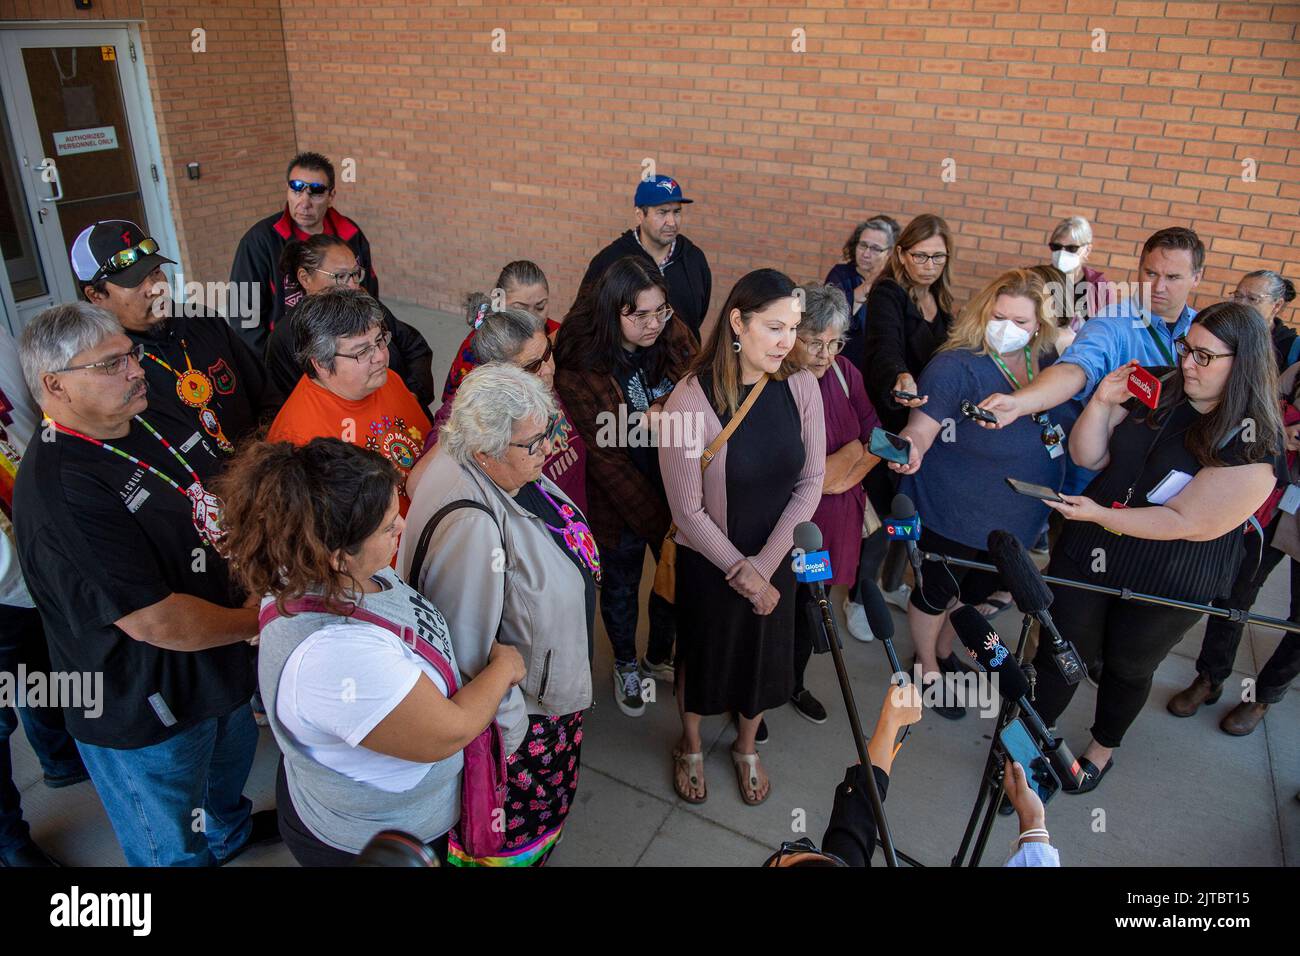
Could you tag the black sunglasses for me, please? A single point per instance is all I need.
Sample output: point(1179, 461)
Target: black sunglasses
point(316, 189)
point(535, 366)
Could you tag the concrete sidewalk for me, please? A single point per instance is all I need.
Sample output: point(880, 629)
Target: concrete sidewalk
point(1182, 793)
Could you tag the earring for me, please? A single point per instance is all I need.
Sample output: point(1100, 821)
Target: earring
point(735, 346)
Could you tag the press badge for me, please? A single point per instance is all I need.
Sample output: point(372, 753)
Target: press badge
point(1057, 449)
point(1290, 502)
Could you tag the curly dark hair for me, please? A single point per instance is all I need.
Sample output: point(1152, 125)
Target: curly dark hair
point(288, 510)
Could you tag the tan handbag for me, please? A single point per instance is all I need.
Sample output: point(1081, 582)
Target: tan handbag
point(666, 570)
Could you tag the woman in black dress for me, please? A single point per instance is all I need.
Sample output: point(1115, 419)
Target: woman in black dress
point(735, 521)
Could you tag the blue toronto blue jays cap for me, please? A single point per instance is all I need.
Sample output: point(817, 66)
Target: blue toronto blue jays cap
point(657, 191)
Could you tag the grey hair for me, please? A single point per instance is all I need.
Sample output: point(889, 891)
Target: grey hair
point(491, 400)
point(824, 308)
point(501, 334)
point(1076, 228)
point(56, 336)
point(320, 320)
point(1280, 288)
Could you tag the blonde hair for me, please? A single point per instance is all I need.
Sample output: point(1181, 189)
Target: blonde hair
point(968, 330)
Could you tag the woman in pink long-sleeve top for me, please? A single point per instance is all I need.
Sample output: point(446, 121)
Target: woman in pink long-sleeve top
point(735, 524)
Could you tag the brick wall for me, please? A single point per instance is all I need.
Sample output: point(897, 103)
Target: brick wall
point(227, 108)
point(467, 158)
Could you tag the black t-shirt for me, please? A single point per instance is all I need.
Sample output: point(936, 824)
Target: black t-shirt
point(99, 538)
point(236, 379)
point(534, 502)
point(1141, 458)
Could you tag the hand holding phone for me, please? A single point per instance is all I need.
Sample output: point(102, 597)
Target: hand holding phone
point(904, 392)
point(890, 447)
point(1144, 386)
point(1041, 492)
point(977, 414)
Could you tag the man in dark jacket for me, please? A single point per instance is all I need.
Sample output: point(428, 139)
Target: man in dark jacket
point(201, 375)
point(308, 211)
point(657, 237)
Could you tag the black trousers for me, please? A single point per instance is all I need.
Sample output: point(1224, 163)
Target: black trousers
point(1219, 649)
point(1131, 638)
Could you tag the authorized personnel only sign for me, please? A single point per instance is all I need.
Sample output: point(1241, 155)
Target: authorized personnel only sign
point(85, 140)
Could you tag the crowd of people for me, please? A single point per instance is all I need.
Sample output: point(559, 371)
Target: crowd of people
point(270, 521)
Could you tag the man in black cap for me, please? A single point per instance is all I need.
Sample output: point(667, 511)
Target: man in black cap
point(308, 211)
point(657, 237)
point(200, 373)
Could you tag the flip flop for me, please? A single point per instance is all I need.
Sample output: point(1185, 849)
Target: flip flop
point(998, 606)
point(747, 774)
point(690, 766)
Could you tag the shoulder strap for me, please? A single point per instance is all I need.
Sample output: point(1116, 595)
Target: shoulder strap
point(314, 604)
point(835, 366)
point(422, 545)
point(736, 419)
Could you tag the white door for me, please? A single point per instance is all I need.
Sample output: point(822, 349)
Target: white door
point(78, 146)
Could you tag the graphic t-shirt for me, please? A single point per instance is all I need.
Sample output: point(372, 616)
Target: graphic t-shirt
point(388, 421)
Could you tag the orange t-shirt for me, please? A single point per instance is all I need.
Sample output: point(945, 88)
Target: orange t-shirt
point(389, 421)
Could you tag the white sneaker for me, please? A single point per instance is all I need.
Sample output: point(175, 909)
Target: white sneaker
point(855, 618)
point(898, 597)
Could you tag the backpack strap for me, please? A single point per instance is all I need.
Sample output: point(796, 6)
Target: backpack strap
point(314, 604)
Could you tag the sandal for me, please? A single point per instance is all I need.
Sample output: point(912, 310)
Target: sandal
point(688, 776)
point(997, 604)
point(747, 778)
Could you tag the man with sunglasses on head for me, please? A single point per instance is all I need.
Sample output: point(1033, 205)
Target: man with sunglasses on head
point(657, 237)
point(201, 376)
point(308, 211)
point(347, 390)
point(118, 534)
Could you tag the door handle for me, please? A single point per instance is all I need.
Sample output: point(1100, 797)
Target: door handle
point(52, 167)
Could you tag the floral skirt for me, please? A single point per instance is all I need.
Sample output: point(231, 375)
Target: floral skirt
point(541, 780)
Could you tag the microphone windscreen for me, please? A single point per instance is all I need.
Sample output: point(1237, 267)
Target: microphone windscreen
point(901, 507)
point(808, 536)
point(878, 616)
point(986, 647)
point(1019, 573)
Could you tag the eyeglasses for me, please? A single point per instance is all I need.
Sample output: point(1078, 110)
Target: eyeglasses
point(1201, 357)
point(316, 189)
point(921, 258)
point(367, 353)
point(820, 347)
point(1049, 435)
point(341, 278)
point(872, 247)
point(110, 366)
point(533, 367)
point(1248, 298)
point(1062, 247)
point(660, 315)
point(532, 446)
point(126, 258)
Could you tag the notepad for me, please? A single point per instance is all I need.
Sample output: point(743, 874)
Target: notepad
point(1169, 486)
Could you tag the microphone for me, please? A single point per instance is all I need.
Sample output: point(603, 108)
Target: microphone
point(985, 647)
point(1034, 597)
point(812, 566)
point(903, 524)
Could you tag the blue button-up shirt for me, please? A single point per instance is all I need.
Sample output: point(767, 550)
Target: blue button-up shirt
point(1035, 854)
point(1120, 334)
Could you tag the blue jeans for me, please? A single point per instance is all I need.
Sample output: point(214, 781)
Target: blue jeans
point(620, 601)
point(22, 641)
point(180, 802)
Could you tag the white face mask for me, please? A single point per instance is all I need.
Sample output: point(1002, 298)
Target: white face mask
point(1003, 335)
point(1066, 261)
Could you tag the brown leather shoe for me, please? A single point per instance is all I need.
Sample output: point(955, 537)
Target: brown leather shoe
point(1243, 718)
point(1187, 702)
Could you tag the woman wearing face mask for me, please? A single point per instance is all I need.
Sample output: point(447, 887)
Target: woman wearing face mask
point(735, 522)
point(1087, 291)
point(865, 255)
point(1002, 338)
point(327, 262)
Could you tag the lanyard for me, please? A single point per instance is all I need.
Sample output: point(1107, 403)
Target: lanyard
point(577, 535)
point(1160, 343)
point(195, 390)
point(1142, 466)
point(201, 501)
point(1029, 368)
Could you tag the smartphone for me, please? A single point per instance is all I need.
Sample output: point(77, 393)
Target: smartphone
point(973, 411)
point(1144, 386)
point(889, 446)
point(1041, 492)
point(905, 396)
point(1020, 747)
